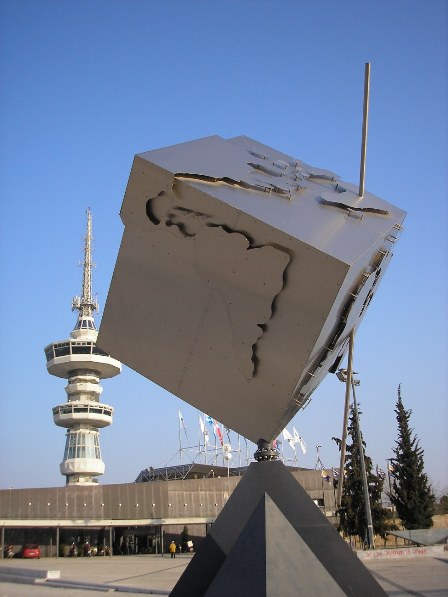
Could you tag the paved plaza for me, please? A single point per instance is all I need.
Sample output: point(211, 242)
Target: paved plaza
point(150, 574)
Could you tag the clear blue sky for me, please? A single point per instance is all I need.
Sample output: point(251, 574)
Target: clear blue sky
point(86, 85)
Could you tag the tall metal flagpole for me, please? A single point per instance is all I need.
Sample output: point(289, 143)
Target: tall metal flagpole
point(205, 442)
point(180, 440)
point(199, 436)
point(216, 442)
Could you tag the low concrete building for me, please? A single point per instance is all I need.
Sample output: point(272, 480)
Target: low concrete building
point(140, 517)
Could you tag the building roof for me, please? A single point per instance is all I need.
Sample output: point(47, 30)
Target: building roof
point(194, 471)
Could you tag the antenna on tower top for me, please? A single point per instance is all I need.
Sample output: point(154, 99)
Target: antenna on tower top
point(86, 304)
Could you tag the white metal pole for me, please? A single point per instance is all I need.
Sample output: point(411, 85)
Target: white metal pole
point(199, 437)
point(365, 123)
point(180, 443)
point(216, 444)
point(348, 384)
point(365, 485)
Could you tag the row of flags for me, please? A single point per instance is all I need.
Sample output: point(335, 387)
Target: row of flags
point(217, 431)
point(293, 440)
point(379, 473)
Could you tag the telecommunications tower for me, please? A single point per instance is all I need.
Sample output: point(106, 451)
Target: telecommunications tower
point(83, 364)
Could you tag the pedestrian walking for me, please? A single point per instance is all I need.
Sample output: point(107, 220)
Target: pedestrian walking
point(172, 549)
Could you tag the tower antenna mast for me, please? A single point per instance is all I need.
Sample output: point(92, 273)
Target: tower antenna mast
point(86, 304)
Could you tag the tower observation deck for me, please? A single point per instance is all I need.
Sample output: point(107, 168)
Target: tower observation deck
point(83, 364)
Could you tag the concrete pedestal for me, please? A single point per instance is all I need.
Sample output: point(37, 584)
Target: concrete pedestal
point(272, 540)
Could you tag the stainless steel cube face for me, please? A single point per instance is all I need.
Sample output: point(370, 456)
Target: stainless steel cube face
point(240, 276)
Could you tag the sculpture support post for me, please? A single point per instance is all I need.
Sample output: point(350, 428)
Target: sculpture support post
point(265, 451)
point(365, 485)
point(365, 124)
point(348, 384)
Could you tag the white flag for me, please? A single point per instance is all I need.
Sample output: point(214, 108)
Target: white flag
point(299, 440)
point(201, 424)
point(182, 423)
point(203, 430)
point(289, 438)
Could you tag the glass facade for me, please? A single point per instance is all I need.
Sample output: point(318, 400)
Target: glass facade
point(73, 408)
point(82, 444)
point(85, 324)
point(63, 349)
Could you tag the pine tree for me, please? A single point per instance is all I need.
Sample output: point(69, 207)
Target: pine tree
point(352, 515)
point(411, 493)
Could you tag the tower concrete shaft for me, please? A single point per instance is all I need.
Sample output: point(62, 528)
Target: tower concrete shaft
point(83, 364)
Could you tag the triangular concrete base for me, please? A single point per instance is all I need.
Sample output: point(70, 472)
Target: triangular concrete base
point(264, 560)
point(272, 540)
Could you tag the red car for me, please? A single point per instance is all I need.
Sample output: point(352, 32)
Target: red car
point(30, 550)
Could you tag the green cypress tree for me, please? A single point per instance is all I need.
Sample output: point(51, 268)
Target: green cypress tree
point(411, 493)
point(184, 538)
point(352, 515)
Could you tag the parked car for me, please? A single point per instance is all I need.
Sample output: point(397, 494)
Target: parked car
point(30, 550)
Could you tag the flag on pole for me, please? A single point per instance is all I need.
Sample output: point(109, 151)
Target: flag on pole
point(336, 476)
point(299, 440)
point(218, 431)
point(201, 425)
point(325, 475)
point(203, 430)
point(380, 473)
point(289, 438)
point(182, 423)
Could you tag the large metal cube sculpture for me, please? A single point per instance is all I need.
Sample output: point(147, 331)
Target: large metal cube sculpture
point(240, 276)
